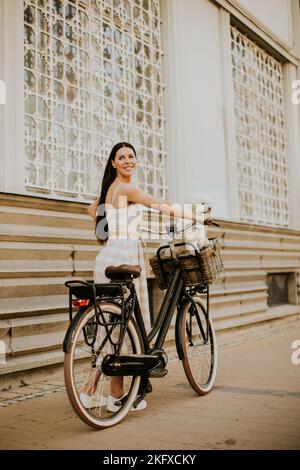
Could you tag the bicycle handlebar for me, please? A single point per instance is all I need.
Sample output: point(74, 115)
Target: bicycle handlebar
point(172, 231)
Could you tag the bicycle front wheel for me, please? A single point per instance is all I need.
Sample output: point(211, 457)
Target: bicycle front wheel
point(198, 345)
point(87, 387)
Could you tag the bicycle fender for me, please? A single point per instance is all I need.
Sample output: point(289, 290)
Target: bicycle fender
point(178, 330)
point(68, 339)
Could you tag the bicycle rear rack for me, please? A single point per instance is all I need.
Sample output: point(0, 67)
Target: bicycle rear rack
point(88, 290)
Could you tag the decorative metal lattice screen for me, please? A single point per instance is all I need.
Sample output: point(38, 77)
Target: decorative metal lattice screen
point(260, 133)
point(92, 78)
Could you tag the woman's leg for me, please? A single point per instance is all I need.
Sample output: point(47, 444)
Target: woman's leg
point(92, 383)
point(116, 385)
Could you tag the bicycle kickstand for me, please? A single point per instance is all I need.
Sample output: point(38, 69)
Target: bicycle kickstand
point(144, 388)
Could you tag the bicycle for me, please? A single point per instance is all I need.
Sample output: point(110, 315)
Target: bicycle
point(107, 341)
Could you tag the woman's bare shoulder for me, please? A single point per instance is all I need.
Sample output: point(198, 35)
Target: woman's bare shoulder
point(130, 187)
point(110, 191)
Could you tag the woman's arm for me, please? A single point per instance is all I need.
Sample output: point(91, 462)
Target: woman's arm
point(92, 208)
point(136, 195)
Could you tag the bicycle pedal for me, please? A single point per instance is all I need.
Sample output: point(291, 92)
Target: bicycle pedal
point(158, 373)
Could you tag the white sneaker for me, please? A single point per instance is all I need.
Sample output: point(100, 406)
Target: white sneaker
point(141, 406)
point(113, 407)
point(92, 401)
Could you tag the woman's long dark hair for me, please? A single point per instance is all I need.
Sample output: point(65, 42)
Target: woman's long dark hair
point(109, 176)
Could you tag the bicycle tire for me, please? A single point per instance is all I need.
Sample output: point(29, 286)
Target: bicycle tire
point(199, 357)
point(74, 368)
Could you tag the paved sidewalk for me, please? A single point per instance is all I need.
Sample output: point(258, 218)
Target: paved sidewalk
point(254, 405)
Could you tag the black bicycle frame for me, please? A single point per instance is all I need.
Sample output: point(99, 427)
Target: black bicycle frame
point(174, 295)
point(163, 320)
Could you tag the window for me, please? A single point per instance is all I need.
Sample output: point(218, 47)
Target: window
point(92, 78)
point(260, 133)
point(281, 289)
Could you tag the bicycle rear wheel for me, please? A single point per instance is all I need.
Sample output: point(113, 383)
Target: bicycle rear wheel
point(199, 348)
point(82, 367)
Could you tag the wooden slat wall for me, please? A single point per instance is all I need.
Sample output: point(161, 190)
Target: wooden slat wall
point(45, 242)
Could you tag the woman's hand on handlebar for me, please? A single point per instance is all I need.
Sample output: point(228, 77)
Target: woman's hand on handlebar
point(207, 214)
point(211, 222)
point(207, 218)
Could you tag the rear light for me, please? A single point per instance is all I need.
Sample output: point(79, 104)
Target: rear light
point(81, 302)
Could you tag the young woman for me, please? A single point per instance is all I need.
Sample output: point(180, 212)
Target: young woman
point(118, 214)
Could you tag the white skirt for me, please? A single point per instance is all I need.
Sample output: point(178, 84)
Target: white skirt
point(124, 251)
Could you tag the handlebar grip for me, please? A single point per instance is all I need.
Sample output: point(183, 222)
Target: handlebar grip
point(211, 222)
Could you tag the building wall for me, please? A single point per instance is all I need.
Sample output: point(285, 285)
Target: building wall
point(279, 24)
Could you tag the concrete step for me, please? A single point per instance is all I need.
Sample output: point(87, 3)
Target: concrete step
point(262, 239)
point(29, 362)
point(34, 233)
point(42, 333)
point(33, 306)
point(237, 305)
point(38, 217)
point(238, 259)
point(33, 326)
point(34, 259)
point(30, 287)
point(250, 318)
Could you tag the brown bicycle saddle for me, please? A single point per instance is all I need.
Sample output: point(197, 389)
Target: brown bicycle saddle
point(123, 270)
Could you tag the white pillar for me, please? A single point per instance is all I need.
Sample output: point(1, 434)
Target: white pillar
point(296, 48)
point(292, 73)
point(293, 144)
point(229, 117)
point(12, 168)
point(195, 129)
point(2, 106)
point(172, 35)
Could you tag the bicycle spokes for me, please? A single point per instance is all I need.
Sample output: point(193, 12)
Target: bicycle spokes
point(198, 344)
point(194, 323)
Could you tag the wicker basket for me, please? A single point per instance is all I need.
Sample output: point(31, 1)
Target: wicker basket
point(162, 272)
point(199, 267)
